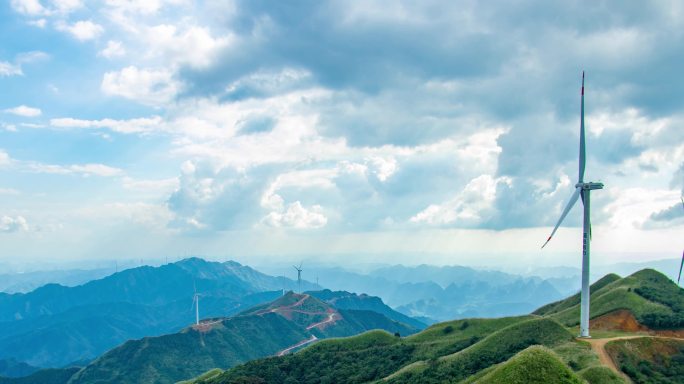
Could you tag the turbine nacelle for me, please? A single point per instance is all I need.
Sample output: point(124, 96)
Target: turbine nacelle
point(589, 186)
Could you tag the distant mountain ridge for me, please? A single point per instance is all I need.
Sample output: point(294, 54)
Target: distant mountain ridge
point(448, 292)
point(272, 328)
point(54, 325)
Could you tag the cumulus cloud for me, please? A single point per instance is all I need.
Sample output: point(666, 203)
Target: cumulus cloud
point(296, 216)
point(147, 86)
point(9, 224)
point(113, 49)
point(82, 30)
point(9, 69)
point(24, 111)
point(28, 7)
point(470, 207)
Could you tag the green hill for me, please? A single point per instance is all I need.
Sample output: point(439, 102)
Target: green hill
point(535, 364)
point(653, 299)
point(262, 331)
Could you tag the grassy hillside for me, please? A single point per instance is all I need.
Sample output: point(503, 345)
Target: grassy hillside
point(425, 357)
point(649, 360)
point(259, 332)
point(650, 296)
point(535, 364)
point(493, 349)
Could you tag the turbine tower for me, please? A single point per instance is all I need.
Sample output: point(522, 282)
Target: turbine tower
point(299, 276)
point(195, 303)
point(682, 264)
point(582, 189)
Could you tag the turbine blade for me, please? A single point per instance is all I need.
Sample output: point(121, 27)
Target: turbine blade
point(582, 151)
point(571, 203)
point(680, 269)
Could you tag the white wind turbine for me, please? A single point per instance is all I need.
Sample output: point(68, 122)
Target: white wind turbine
point(195, 303)
point(582, 189)
point(299, 276)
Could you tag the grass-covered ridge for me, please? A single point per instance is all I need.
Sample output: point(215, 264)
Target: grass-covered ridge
point(536, 364)
point(493, 349)
point(650, 296)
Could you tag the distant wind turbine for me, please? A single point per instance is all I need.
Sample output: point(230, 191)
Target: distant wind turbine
point(299, 276)
point(582, 189)
point(195, 303)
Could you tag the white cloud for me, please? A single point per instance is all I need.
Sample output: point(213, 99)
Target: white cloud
point(4, 158)
point(67, 6)
point(8, 127)
point(10, 224)
point(146, 7)
point(9, 69)
point(29, 7)
point(113, 49)
point(469, 207)
point(40, 23)
point(194, 46)
point(14, 69)
point(81, 30)
point(139, 125)
point(24, 110)
point(79, 169)
point(147, 86)
point(296, 216)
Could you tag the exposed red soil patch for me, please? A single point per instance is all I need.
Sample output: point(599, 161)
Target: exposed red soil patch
point(620, 320)
point(624, 320)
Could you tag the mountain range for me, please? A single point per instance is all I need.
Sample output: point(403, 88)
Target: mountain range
point(55, 326)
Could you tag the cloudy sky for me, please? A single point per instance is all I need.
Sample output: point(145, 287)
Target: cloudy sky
point(383, 131)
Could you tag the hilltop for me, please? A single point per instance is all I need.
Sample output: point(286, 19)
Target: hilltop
point(645, 301)
point(276, 328)
point(538, 348)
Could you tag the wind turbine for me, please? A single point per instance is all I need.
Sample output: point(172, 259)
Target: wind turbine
point(299, 276)
point(582, 189)
point(195, 303)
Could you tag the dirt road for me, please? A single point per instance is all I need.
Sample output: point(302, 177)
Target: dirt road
point(599, 347)
point(331, 318)
point(300, 344)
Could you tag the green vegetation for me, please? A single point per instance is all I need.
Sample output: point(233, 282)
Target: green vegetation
point(493, 349)
point(649, 360)
point(535, 364)
point(650, 296)
point(255, 334)
point(600, 375)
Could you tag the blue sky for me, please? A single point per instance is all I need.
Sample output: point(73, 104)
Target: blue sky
point(257, 130)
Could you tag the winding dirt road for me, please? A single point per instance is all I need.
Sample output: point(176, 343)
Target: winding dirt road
point(599, 347)
point(301, 343)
